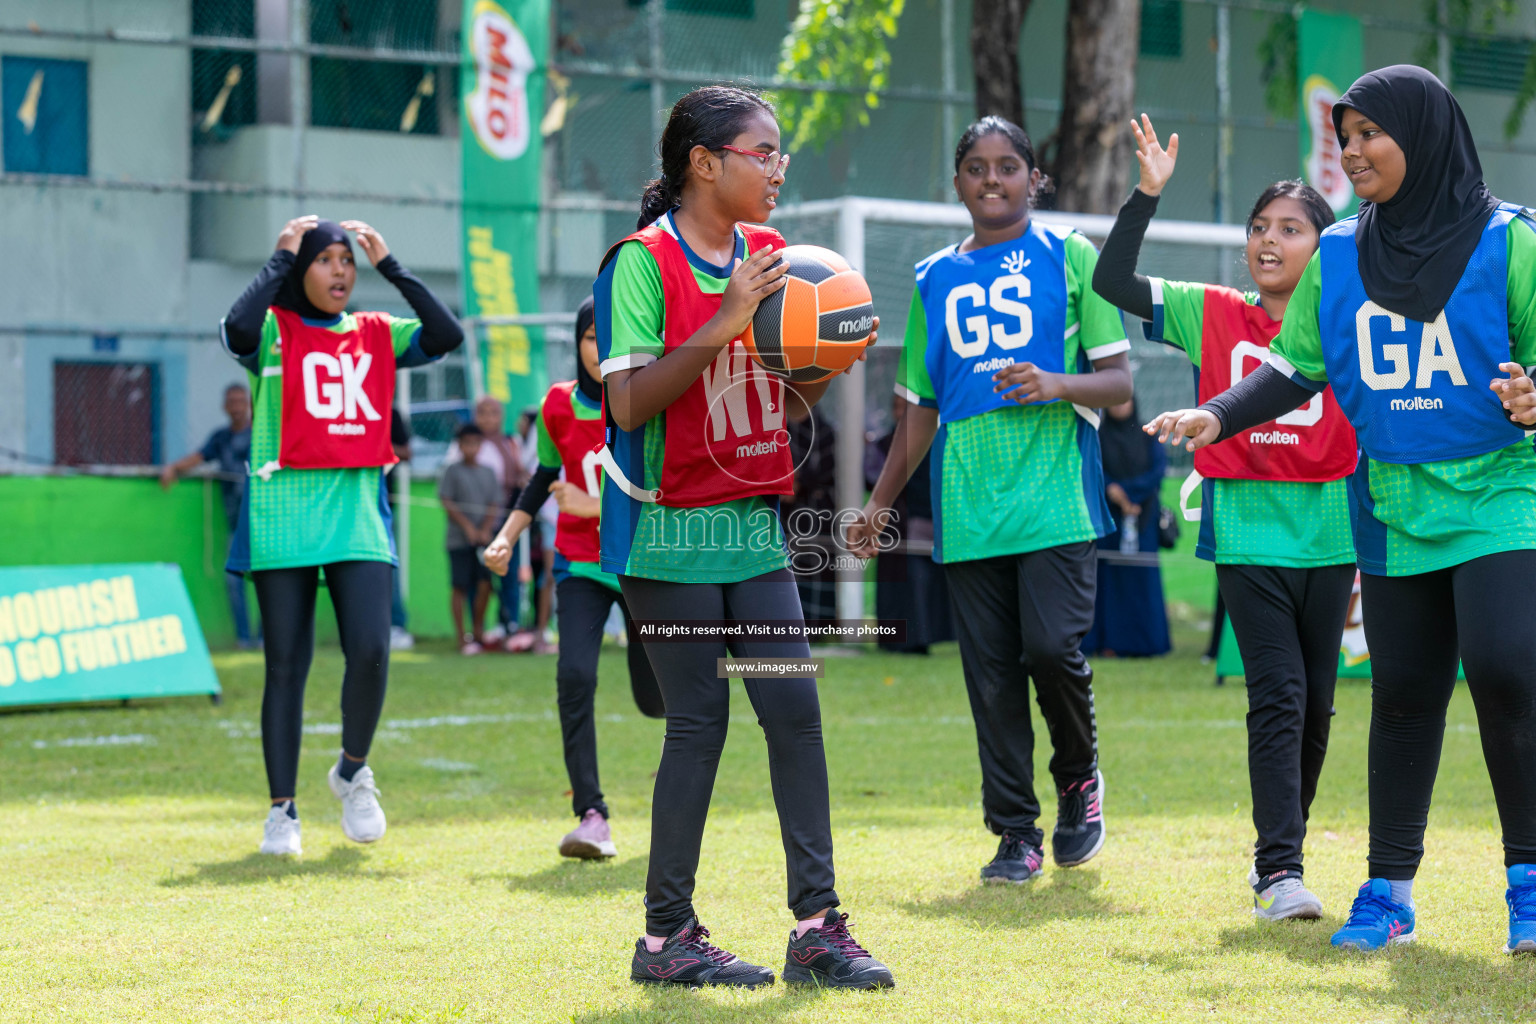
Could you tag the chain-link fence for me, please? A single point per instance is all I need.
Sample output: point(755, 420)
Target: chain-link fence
point(258, 109)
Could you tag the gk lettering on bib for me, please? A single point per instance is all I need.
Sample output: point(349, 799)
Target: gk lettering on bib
point(338, 387)
point(1313, 444)
point(579, 442)
point(990, 308)
point(1418, 392)
point(725, 434)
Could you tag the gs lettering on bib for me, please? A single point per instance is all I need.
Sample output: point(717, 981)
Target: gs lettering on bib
point(726, 435)
point(579, 442)
point(990, 308)
point(1313, 444)
point(1418, 392)
point(338, 387)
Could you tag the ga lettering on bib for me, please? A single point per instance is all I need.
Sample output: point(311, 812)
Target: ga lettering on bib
point(725, 434)
point(338, 387)
point(1418, 392)
point(1313, 444)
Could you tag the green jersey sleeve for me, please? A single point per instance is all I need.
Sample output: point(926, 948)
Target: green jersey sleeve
point(637, 310)
point(549, 455)
point(1297, 350)
point(402, 332)
point(1521, 291)
point(912, 382)
point(1099, 328)
point(1178, 316)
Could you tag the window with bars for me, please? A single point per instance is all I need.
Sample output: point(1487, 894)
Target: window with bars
point(374, 95)
point(1162, 28)
point(723, 8)
point(1494, 64)
point(223, 81)
point(106, 413)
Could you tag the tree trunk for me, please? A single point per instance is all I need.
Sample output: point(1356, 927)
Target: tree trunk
point(995, 27)
point(1093, 157)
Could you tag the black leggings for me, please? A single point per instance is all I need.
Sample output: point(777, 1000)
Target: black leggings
point(1288, 623)
point(584, 605)
point(698, 712)
point(1415, 626)
point(360, 592)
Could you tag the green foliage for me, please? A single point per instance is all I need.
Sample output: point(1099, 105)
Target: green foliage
point(1465, 17)
point(1277, 66)
point(835, 42)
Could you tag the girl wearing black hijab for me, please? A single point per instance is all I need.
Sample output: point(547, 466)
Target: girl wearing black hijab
point(570, 433)
point(1421, 314)
point(322, 385)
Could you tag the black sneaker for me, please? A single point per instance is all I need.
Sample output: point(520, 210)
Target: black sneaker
point(1016, 862)
point(687, 958)
point(828, 957)
point(1079, 830)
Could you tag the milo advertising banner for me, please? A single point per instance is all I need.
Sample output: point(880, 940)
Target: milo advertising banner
point(99, 632)
point(502, 82)
point(1328, 60)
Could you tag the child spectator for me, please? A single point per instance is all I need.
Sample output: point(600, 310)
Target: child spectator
point(472, 496)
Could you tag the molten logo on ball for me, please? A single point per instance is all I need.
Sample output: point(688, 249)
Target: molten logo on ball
point(817, 325)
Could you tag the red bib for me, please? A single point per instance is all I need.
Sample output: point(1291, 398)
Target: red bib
point(578, 442)
point(726, 436)
point(1313, 444)
point(337, 391)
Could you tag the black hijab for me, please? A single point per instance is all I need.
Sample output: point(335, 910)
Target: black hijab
point(1124, 446)
point(290, 295)
point(586, 315)
point(1415, 246)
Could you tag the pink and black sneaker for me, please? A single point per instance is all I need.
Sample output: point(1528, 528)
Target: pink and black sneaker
point(828, 957)
point(687, 958)
point(1016, 861)
point(1079, 830)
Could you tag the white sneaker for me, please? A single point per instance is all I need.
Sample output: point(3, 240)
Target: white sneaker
point(399, 639)
point(1287, 899)
point(362, 819)
point(280, 835)
point(495, 635)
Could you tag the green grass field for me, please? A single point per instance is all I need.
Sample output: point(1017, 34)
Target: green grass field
point(132, 889)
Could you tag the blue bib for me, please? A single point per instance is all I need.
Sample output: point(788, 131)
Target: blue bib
point(1419, 392)
point(991, 308)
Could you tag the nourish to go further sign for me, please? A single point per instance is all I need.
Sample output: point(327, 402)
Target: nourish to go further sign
point(99, 632)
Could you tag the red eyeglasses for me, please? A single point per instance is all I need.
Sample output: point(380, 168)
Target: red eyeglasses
point(774, 163)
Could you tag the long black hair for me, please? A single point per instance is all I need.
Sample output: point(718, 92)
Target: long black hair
point(1311, 200)
point(1016, 136)
point(710, 117)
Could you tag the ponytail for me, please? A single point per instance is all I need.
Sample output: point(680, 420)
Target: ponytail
point(710, 117)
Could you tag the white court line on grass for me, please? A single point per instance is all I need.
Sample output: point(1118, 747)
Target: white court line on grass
point(131, 740)
point(251, 731)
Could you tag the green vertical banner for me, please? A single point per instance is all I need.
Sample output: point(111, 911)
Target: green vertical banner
point(1328, 60)
point(505, 63)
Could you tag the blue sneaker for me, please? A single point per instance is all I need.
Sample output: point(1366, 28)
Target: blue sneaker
point(1521, 897)
point(1375, 921)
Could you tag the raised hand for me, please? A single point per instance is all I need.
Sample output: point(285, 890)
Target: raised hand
point(294, 231)
point(1156, 162)
point(369, 238)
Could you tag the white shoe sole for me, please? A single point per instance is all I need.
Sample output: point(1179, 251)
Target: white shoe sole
point(272, 852)
point(1305, 912)
point(1523, 946)
point(581, 849)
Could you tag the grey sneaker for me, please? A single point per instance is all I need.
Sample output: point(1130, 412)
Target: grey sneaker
point(1284, 898)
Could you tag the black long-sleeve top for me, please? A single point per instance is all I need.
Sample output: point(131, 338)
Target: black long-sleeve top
point(1115, 277)
point(440, 332)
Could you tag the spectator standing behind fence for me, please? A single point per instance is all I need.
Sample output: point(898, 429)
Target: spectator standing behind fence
point(503, 455)
point(1130, 618)
point(229, 448)
point(908, 584)
point(472, 497)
